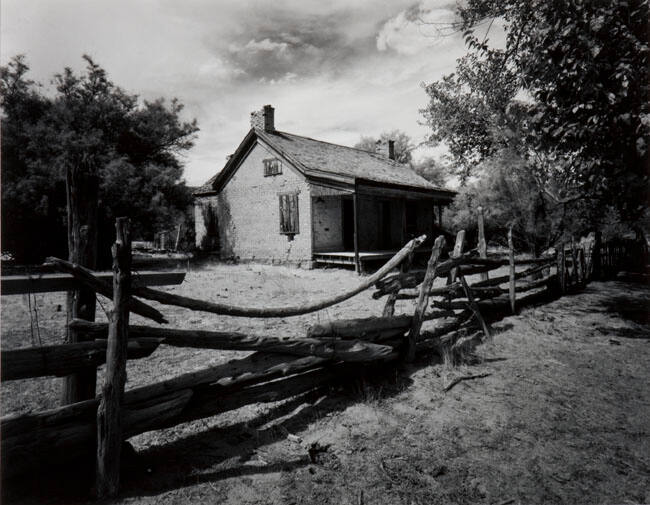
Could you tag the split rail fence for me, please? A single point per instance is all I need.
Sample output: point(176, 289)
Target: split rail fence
point(280, 367)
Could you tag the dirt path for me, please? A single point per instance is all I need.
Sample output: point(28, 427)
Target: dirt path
point(562, 418)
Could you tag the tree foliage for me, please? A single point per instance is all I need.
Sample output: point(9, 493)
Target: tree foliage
point(403, 144)
point(511, 197)
point(432, 170)
point(568, 93)
point(428, 167)
point(86, 124)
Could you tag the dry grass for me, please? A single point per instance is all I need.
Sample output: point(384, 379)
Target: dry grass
point(561, 419)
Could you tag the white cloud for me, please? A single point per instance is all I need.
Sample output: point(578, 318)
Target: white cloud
point(217, 69)
point(266, 45)
point(419, 28)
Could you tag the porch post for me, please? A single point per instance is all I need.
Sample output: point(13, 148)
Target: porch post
point(355, 204)
point(440, 216)
point(403, 235)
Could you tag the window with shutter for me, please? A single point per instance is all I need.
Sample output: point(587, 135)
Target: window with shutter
point(289, 214)
point(272, 166)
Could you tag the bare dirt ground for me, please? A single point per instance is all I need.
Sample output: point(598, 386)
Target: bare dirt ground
point(562, 416)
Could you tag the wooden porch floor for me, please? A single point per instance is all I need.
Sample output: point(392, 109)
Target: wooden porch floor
point(347, 257)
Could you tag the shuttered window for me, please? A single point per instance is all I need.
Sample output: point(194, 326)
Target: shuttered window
point(289, 213)
point(272, 166)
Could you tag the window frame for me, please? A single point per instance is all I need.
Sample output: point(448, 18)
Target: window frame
point(268, 162)
point(289, 196)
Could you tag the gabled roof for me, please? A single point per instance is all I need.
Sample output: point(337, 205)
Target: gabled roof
point(324, 162)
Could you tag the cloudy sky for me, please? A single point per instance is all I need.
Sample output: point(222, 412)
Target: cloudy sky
point(334, 70)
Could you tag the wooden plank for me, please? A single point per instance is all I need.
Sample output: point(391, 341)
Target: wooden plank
point(66, 433)
point(423, 299)
point(497, 281)
point(512, 273)
point(248, 370)
point(109, 413)
point(482, 244)
point(104, 288)
point(48, 283)
point(454, 290)
point(498, 261)
point(539, 283)
point(348, 350)
point(65, 359)
point(399, 281)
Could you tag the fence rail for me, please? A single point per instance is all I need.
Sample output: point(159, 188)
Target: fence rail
point(281, 367)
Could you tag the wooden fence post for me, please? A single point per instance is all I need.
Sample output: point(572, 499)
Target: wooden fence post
point(596, 258)
point(458, 250)
point(583, 267)
point(355, 209)
point(511, 284)
point(574, 260)
point(561, 268)
point(423, 299)
point(109, 413)
point(482, 245)
point(82, 187)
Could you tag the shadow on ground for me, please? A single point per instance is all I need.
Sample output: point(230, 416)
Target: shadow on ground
point(182, 462)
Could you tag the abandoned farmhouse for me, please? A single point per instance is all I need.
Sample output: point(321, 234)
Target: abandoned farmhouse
point(285, 198)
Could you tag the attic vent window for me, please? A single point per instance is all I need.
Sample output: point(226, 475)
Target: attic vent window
point(272, 166)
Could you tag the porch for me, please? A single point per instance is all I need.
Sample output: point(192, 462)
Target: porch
point(366, 259)
point(369, 224)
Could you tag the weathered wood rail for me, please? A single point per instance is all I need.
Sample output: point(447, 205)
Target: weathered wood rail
point(280, 367)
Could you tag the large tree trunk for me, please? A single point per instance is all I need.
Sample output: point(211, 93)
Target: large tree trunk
point(82, 191)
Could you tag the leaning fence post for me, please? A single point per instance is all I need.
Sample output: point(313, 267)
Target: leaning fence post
point(482, 245)
point(389, 308)
point(458, 250)
point(109, 413)
point(423, 299)
point(511, 284)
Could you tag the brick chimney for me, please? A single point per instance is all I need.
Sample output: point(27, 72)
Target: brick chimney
point(264, 119)
point(386, 148)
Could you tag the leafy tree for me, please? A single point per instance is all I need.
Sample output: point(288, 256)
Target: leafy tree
point(89, 130)
point(432, 171)
point(568, 93)
point(403, 144)
point(510, 196)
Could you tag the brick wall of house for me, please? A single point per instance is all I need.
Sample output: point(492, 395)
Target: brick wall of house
point(249, 213)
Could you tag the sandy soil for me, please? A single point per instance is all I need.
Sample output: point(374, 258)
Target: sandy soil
point(562, 416)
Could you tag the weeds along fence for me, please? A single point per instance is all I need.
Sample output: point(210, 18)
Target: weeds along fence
point(280, 367)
